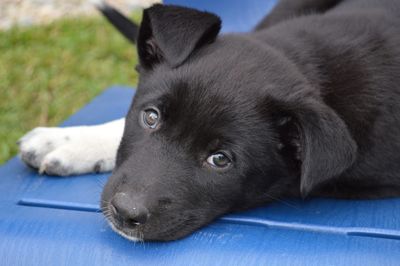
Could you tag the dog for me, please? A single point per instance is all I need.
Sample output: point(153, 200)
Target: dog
point(307, 104)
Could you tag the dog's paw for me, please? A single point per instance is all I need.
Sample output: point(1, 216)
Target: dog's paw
point(39, 142)
point(68, 151)
point(76, 159)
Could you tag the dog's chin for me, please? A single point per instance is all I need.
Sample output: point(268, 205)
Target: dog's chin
point(132, 235)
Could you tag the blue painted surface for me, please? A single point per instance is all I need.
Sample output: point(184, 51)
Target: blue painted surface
point(55, 221)
point(51, 220)
point(236, 15)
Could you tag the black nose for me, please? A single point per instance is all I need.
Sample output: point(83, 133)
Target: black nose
point(127, 212)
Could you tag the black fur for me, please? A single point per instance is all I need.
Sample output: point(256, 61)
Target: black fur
point(308, 104)
point(158, 39)
point(119, 21)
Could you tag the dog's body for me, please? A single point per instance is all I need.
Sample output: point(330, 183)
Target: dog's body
point(353, 63)
point(307, 104)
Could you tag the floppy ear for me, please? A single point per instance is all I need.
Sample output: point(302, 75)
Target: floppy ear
point(171, 33)
point(326, 147)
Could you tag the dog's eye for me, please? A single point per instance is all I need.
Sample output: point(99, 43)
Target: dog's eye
point(219, 159)
point(150, 117)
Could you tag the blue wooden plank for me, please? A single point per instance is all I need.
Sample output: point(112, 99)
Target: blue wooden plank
point(83, 191)
point(61, 237)
point(49, 220)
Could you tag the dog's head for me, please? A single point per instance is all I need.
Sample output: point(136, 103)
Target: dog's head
point(217, 124)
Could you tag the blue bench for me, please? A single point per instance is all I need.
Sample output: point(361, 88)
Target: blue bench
point(48, 220)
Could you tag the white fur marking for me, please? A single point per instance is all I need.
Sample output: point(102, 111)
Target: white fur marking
point(72, 150)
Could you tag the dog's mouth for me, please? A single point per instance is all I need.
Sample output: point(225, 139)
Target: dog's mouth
point(150, 232)
point(134, 234)
point(145, 233)
point(176, 227)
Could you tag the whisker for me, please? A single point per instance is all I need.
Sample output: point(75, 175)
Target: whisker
point(283, 202)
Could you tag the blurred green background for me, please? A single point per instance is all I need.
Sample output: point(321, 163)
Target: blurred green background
point(48, 72)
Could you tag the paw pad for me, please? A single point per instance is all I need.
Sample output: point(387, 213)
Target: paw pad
point(30, 158)
point(53, 167)
point(98, 166)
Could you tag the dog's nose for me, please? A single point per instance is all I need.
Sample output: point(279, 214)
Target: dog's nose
point(127, 212)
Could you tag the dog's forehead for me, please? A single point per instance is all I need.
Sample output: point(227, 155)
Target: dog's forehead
point(203, 114)
point(215, 91)
point(200, 104)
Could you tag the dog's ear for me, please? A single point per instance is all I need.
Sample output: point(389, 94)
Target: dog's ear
point(324, 145)
point(171, 33)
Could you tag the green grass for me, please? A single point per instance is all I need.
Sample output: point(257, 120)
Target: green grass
point(48, 72)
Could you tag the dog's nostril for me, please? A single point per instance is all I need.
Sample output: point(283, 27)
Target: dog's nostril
point(140, 215)
point(128, 213)
point(131, 223)
point(133, 218)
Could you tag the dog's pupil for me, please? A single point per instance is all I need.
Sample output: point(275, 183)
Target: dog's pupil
point(220, 159)
point(151, 118)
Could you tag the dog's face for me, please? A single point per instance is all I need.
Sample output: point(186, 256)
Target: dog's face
point(212, 129)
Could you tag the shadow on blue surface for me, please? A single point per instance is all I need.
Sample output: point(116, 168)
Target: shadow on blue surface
point(50, 220)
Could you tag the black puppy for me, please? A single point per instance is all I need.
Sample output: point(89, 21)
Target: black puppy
point(308, 104)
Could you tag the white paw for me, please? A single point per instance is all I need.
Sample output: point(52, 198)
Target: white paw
point(73, 150)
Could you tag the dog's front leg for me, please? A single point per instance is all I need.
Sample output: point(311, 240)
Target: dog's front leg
point(72, 150)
